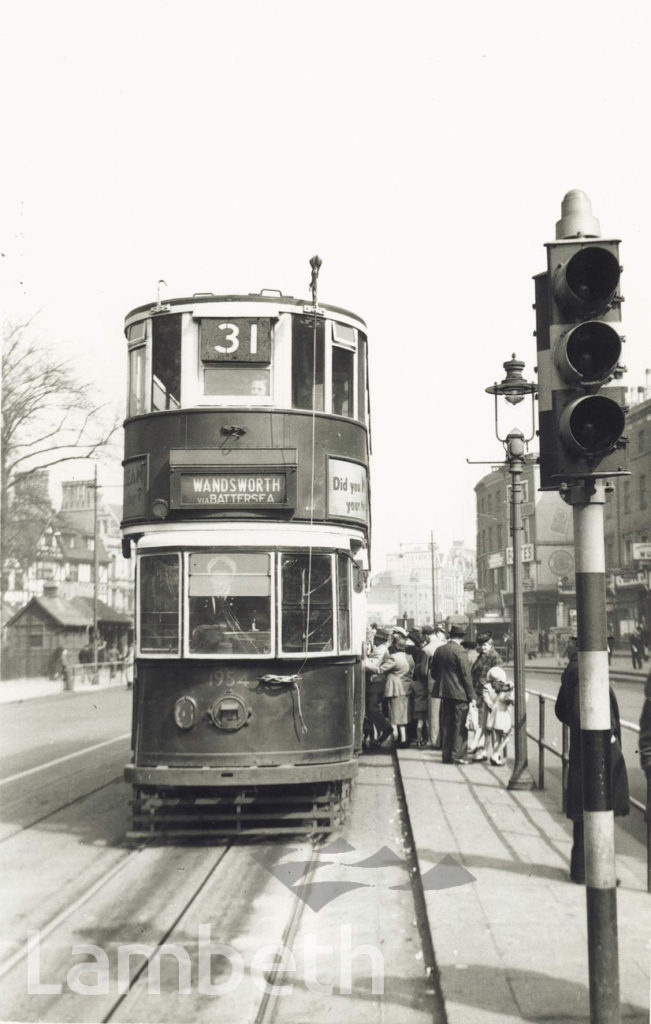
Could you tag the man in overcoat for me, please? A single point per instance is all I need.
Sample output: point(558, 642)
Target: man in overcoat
point(450, 671)
point(568, 711)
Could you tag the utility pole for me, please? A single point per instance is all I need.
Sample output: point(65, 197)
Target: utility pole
point(433, 566)
point(96, 578)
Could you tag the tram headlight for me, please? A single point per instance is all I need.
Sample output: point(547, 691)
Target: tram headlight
point(160, 508)
point(185, 712)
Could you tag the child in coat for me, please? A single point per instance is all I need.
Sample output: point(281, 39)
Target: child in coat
point(500, 721)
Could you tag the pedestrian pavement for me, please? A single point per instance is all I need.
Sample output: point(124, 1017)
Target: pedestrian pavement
point(508, 926)
point(13, 690)
point(621, 666)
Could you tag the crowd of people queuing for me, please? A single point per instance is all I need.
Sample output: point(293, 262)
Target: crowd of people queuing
point(424, 687)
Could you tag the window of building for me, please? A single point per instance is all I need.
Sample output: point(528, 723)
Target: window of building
point(627, 497)
point(643, 491)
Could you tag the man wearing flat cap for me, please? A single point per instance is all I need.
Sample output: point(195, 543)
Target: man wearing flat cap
point(450, 670)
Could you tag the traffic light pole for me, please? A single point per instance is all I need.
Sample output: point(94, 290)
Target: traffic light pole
point(588, 499)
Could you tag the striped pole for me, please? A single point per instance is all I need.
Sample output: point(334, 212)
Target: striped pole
point(588, 501)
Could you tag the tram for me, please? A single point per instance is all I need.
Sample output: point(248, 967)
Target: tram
point(246, 507)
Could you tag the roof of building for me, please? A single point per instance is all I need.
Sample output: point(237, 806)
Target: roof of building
point(77, 612)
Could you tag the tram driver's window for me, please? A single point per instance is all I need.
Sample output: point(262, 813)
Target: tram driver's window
point(307, 613)
point(166, 362)
point(230, 603)
point(307, 363)
point(159, 604)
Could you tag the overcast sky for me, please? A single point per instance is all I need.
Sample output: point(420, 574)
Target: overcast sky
point(421, 149)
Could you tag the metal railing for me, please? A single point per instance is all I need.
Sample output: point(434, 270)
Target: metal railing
point(101, 673)
point(564, 755)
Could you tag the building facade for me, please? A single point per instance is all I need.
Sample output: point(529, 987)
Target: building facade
point(548, 566)
point(415, 573)
point(547, 552)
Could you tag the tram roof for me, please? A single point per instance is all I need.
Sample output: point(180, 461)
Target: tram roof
point(277, 300)
point(232, 535)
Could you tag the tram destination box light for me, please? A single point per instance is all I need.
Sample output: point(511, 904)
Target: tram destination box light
point(578, 310)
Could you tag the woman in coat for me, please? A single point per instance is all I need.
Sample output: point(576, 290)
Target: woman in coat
point(568, 712)
point(399, 670)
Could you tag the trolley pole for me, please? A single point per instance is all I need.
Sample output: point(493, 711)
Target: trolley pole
point(587, 500)
point(521, 777)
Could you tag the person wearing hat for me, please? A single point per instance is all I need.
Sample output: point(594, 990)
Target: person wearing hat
point(437, 638)
point(377, 727)
point(450, 670)
point(487, 658)
point(418, 696)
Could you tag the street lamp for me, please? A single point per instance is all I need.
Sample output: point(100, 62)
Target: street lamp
point(514, 389)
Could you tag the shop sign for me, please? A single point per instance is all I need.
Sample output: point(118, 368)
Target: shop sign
point(527, 554)
point(496, 560)
point(642, 552)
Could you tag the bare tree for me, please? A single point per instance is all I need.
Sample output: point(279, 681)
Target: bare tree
point(49, 416)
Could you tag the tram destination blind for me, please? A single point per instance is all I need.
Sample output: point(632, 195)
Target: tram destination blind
point(227, 490)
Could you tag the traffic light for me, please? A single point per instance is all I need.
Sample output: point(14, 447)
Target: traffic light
point(578, 307)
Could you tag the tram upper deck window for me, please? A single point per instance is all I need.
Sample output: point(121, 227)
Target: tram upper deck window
point(307, 622)
point(308, 384)
point(166, 362)
point(236, 358)
point(230, 603)
point(159, 604)
point(137, 338)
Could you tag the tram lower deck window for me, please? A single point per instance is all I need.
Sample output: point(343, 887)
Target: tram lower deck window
point(159, 604)
point(307, 622)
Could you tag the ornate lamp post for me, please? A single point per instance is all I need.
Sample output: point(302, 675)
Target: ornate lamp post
point(514, 389)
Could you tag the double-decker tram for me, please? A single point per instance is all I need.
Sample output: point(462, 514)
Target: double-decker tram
point(246, 506)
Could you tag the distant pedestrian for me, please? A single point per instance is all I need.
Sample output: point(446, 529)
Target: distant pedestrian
point(450, 671)
point(127, 664)
point(113, 658)
point(508, 646)
point(637, 646)
point(568, 711)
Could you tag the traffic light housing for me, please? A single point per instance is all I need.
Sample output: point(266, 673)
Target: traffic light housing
point(578, 308)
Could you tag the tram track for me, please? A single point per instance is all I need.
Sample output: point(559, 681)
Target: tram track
point(59, 808)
